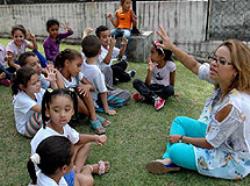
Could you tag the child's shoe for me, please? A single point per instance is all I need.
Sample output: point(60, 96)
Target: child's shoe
point(159, 103)
point(138, 97)
point(132, 73)
point(5, 82)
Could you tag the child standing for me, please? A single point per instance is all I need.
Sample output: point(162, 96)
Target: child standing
point(109, 53)
point(160, 78)
point(69, 62)
point(123, 21)
point(27, 100)
point(105, 100)
point(18, 46)
point(58, 107)
point(51, 44)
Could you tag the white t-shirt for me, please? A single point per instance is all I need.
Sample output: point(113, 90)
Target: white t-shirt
point(103, 54)
point(96, 77)
point(17, 51)
point(43, 180)
point(22, 108)
point(161, 76)
point(2, 56)
point(44, 133)
point(73, 82)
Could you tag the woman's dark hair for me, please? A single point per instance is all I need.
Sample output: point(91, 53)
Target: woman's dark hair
point(18, 27)
point(51, 22)
point(100, 29)
point(67, 54)
point(91, 46)
point(122, 2)
point(50, 94)
point(22, 58)
point(22, 76)
point(54, 152)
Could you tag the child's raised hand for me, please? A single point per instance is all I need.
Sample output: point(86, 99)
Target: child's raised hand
point(30, 36)
point(109, 16)
point(101, 140)
point(87, 31)
point(167, 44)
point(151, 65)
point(51, 74)
point(112, 42)
point(66, 26)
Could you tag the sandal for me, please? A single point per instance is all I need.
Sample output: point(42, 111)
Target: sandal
point(103, 167)
point(105, 122)
point(97, 126)
point(157, 167)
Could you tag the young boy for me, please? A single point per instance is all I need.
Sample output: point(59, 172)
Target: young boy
point(103, 98)
point(52, 42)
point(109, 53)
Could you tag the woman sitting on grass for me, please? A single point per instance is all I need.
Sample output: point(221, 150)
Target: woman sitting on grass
point(218, 144)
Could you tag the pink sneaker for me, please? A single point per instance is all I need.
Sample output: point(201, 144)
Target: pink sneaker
point(159, 103)
point(137, 97)
point(5, 82)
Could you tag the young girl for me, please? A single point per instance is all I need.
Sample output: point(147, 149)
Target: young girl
point(52, 42)
point(160, 78)
point(18, 45)
point(4, 74)
point(69, 63)
point(123, 21)
point(58, 107)
point(27, 101)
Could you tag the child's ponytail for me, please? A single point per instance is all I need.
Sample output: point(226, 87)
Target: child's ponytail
point(31, 168)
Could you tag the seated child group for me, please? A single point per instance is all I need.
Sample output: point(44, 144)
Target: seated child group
point(51, 92)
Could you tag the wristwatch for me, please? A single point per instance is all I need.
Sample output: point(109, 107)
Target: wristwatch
point(180, 140)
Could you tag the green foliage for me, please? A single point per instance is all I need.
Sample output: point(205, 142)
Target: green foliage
point(136, 136)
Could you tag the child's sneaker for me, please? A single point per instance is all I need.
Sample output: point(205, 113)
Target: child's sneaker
point(159, 103)
point(132, 73)
point(5, 82)
point(137, 97)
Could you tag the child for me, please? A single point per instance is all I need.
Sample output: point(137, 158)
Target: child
point(69, 62)
point(54, 159)
point(58, 107)
point(109, 53)
point(27, 101)
point(52, 75)
point(4, 74)
point(123, 21)
point(160, 78)
point(18, 46)
point(103, 98)
point(52, 42)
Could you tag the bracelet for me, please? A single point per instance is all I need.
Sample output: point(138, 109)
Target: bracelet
point(180, 140)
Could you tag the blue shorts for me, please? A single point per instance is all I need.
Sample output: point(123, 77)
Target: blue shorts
point(70, 177)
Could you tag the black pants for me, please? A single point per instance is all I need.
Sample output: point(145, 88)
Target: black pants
point(152, 91)
point(119, 72)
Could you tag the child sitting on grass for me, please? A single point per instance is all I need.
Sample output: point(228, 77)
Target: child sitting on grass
point(4, 74)
point(51, 44)
point(104, 100)
point(160, 78)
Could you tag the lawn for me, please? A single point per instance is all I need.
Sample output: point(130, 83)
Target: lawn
point(136, 136)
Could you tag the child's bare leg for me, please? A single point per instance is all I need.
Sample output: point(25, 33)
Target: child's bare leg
point(81, 153)
point(84, 180)
point(90, 106)
point(82, 108)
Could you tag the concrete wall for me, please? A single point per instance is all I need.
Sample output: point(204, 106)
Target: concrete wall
point(185, 20)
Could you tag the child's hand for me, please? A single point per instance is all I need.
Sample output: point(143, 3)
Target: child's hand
point(112, 42)
point(111, 112)
point(31, 36)
point(174, 138)
point(101, 140)
point(83, 89)
point(66, 26)
point(51, 74)
point(87, 31)
point(151, 65)
point(109, 16)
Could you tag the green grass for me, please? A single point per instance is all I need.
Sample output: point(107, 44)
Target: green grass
point(136, 136)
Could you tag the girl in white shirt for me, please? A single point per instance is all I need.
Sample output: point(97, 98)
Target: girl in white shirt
point(27, 100)
point(54, 159)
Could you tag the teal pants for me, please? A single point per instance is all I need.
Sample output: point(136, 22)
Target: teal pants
point(182, 154)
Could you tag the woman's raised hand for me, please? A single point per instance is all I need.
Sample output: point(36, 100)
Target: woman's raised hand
point(167, 44)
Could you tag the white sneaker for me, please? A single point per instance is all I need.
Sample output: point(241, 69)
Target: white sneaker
point(132, 73)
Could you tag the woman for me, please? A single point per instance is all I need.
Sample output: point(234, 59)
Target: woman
point(218, 144)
